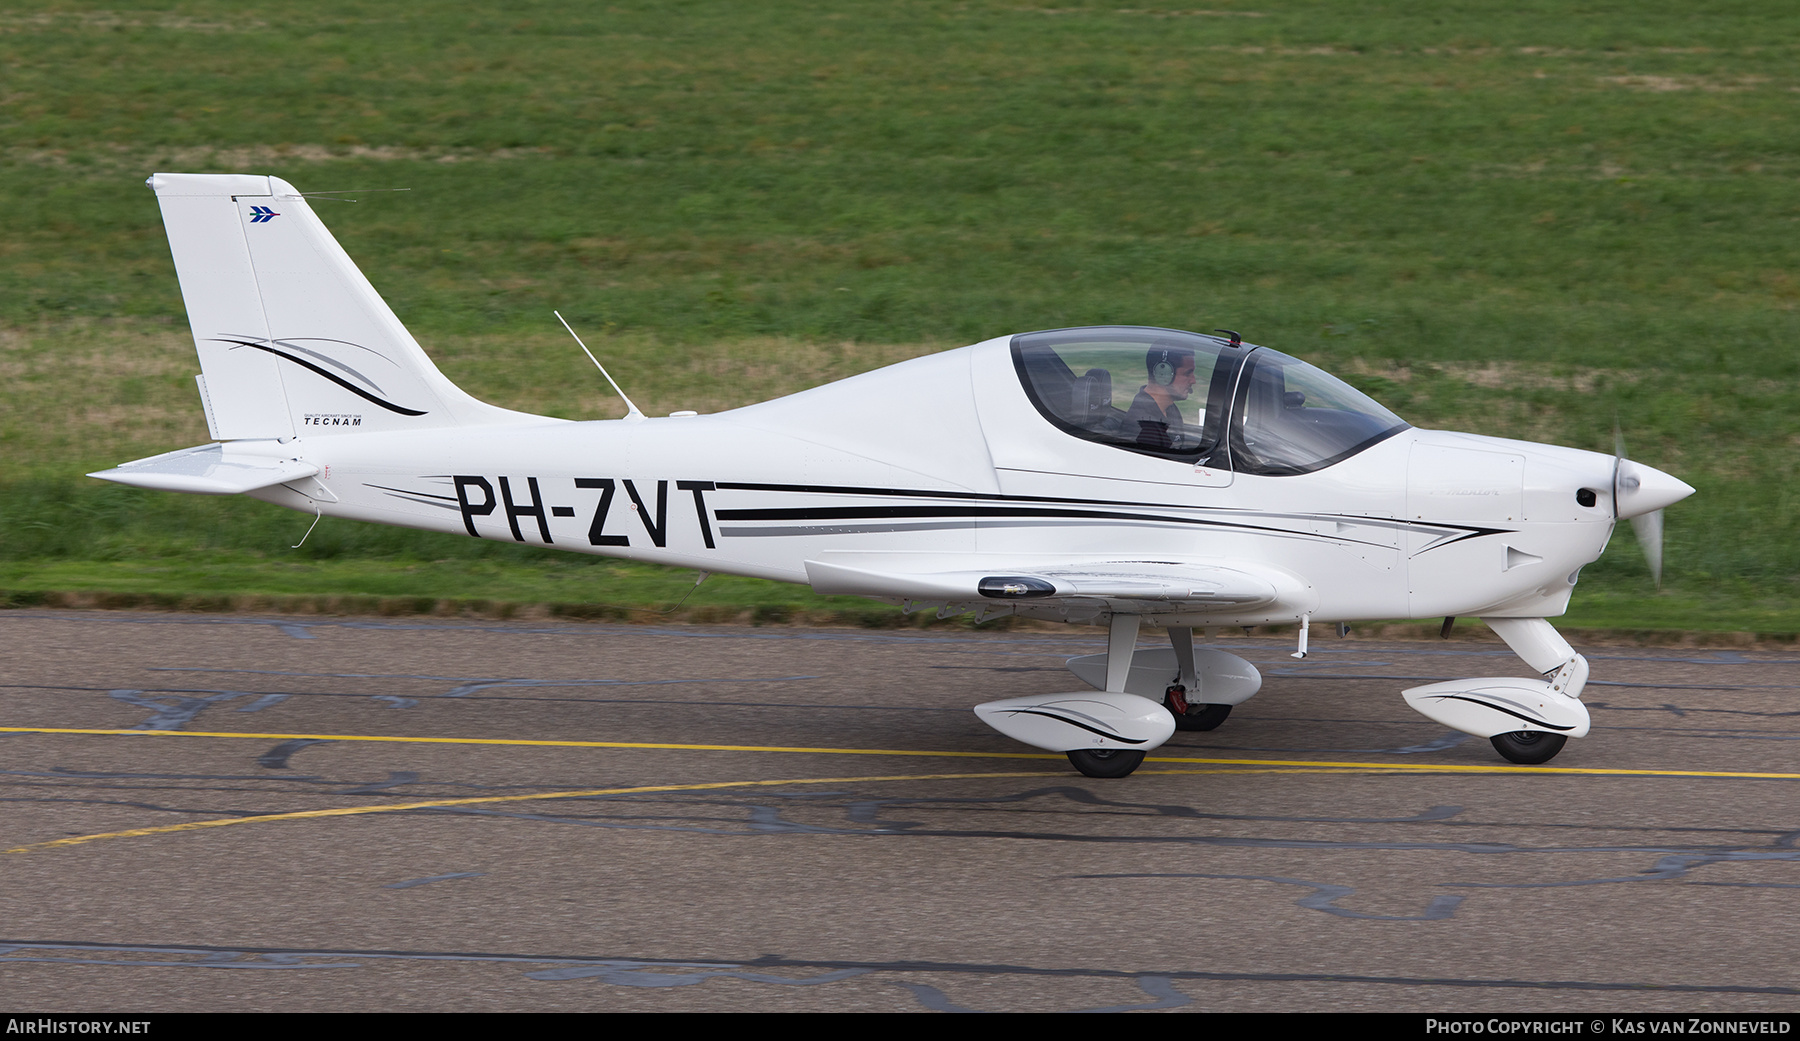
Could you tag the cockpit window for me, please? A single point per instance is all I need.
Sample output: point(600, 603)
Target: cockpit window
point(1184, 396)
point(1155, 391)
point(1292, 418)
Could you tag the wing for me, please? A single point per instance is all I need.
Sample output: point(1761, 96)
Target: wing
point(1062, 587)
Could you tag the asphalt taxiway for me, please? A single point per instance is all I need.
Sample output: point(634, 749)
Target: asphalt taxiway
point(305, 813)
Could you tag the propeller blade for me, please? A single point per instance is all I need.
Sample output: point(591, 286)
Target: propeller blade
point(1649, 530)
point(1640, 493)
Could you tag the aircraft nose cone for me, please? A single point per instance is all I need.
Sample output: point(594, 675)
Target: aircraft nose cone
point(1645, 489)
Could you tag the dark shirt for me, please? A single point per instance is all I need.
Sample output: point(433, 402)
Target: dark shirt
point(1156, 427)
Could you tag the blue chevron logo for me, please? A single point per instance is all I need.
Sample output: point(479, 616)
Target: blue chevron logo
point(262, 215)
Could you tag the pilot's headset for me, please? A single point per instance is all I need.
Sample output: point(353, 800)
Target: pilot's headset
point(1161, 361)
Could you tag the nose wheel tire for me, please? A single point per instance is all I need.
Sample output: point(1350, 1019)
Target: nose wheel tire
point(1105, 762)
point(1527, 747)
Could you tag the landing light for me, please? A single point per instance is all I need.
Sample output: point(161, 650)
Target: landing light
point(1014, 587)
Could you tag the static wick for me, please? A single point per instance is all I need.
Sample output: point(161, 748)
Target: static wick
point(632, 408)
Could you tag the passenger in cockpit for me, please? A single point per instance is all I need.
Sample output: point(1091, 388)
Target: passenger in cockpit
point(1154, 414)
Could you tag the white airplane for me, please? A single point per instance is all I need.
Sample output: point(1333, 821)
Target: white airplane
point(1119, 476)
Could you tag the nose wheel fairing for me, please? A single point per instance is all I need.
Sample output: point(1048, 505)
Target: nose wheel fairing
point(1493, 705)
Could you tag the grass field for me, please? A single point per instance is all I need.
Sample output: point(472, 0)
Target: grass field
point(1531, 220)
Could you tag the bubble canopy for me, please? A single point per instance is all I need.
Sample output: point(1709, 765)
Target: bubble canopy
point(1197, 399)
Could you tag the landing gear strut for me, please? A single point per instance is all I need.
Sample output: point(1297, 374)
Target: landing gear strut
point(1121, 644)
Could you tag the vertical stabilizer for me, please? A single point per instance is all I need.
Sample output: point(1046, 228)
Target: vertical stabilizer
point(293, 340)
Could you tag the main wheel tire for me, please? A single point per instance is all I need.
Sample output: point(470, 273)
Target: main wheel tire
point(1200, 717)
point(1528, 747)
point(1106, 762)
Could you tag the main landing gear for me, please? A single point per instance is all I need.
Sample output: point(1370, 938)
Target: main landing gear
point(1104, 732)
point(1194, 688)
point(1189, 716)
point(1125, 672)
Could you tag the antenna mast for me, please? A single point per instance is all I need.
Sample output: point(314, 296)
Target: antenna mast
point(632, 409)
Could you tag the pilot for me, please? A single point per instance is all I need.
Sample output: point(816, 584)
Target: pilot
point(1158, 418)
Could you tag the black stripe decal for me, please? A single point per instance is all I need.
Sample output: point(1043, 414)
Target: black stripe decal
point(871, 512)
point(915, 493)
point(842, 529)
point(830, 513)
point(1073, 723)
point(340, 381)
point(421, 502)
point(409, 491)
point(1497, 708)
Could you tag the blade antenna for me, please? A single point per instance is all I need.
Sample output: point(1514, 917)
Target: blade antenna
point(633, 409)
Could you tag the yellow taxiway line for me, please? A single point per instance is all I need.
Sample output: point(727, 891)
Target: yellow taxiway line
point(1230, 765)
point(433, 804)
point(1307, 764)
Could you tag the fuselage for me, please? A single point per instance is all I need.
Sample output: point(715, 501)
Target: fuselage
point(948, 455)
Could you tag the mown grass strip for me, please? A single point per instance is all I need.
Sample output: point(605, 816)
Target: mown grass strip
point(1528, 221)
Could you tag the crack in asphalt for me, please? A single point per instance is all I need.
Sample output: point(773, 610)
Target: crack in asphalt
point(659, 972)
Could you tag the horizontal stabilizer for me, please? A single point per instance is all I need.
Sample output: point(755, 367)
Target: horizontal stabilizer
point(207, 470)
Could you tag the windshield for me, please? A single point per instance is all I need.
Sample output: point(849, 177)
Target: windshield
point(1292, 418)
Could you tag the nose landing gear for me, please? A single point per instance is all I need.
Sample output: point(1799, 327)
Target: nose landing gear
point(1491, 706)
